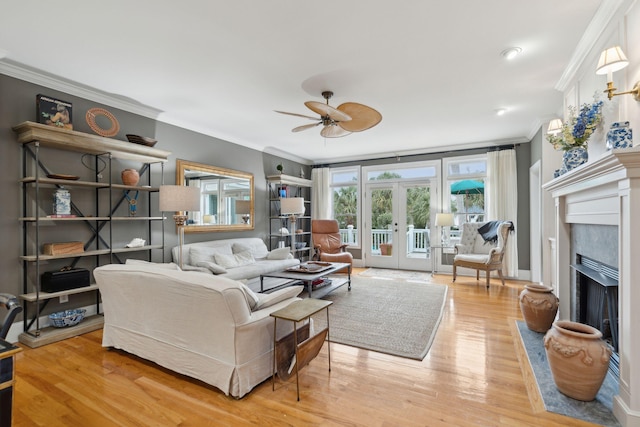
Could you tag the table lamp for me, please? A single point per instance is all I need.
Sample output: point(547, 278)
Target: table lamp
point(294, 207)
point(179, 199)
point(243, 208)
point(444, 220)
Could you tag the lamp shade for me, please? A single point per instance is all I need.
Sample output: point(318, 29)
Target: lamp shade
point(611, 60)
point(444, 219)
point(555, 126)
point(174, 198)
point(243, 207)
point(292, 206)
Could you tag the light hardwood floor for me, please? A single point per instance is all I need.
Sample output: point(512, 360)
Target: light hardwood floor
point(471, 376)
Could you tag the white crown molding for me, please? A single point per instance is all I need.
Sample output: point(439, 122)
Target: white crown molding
point(32, 75)
point(277, 152)
point(601, 19)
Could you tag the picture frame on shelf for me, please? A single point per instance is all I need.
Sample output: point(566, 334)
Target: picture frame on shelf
point(54, 112)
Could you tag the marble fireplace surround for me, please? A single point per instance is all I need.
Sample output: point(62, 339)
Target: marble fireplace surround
point(606, 191)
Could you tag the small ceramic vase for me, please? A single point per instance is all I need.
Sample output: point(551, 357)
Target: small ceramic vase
point(578, 358)
point(619, 136)
point(539, 307)
point(574, 157)
point(130, 177)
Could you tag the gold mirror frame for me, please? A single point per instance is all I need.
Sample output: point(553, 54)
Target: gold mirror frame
point(234, 222)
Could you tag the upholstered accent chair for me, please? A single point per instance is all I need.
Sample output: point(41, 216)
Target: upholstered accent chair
point(476, 253)
point(325, 234)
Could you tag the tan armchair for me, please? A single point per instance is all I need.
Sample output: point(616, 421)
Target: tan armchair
point(474, 252)
point(325, 234)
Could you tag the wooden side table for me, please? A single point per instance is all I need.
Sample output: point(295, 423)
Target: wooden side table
point(7, 380)
point(308, 349)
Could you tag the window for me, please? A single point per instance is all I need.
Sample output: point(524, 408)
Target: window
point(345, 203)
point(465, 180)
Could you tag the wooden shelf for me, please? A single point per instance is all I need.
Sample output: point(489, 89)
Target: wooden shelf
point(70, 140)
point(33, 258)
point(289, 180)
point(33, 297)
point(50, 334)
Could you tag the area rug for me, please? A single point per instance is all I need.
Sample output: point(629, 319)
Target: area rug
point(388, 316)
point(384, 273)
point(597, 411)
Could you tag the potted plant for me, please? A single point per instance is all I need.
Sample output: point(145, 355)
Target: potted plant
point(280, 168)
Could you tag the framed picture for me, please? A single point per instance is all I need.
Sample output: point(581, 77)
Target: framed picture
point(54, 112)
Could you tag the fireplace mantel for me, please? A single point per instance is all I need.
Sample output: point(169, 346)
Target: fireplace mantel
point(606, 191)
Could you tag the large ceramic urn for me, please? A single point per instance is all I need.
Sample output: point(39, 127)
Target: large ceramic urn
point(578, 358)
point(539, 307)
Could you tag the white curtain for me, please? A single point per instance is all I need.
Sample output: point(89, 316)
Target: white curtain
point(320, 194)
point(502, 200)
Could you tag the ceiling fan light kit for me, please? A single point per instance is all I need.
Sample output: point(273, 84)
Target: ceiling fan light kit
point(337, 122)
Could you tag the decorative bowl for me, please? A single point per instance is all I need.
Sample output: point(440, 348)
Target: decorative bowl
point(300, 245)
point(143, 140)
point(66, 318)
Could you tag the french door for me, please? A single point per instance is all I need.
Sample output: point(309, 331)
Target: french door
point(398, 225)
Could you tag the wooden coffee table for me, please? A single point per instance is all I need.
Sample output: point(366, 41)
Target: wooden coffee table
point(307, 277)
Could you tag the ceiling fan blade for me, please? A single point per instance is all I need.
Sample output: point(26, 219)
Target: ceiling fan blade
point(305, 127)
point(327, 110)
point(297, 115)
point(362, 117)
point(333, 131)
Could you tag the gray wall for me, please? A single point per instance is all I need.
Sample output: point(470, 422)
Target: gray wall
point(18, 104)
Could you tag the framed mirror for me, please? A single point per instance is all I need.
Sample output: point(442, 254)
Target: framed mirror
point(226, 197)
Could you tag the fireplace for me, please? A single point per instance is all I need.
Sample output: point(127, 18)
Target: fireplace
point(597, 278)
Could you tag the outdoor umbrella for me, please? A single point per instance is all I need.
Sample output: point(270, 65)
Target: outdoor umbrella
point(467, 186)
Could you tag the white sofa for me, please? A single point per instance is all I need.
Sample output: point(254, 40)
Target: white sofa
point(200, 325)
point(240, 258)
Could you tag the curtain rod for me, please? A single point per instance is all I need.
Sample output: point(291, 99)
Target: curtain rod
point(397, 158)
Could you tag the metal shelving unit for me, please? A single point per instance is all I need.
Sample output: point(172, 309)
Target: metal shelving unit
point(99, 247)
point(293, 187)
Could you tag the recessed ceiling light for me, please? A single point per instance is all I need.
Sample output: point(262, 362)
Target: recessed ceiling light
point(501, 111)
point(511, 52)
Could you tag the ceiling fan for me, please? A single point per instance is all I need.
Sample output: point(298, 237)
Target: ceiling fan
point(336, 122)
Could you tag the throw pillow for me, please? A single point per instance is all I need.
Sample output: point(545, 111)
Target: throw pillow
point(206, 253)
point(252, 297)
point(239, 247)
point(234, 260)
point(166, 265)
point(212, 267)
point(267, 300)
point(280, 253)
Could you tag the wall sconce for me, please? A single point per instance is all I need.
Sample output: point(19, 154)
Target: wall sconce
point(555, 127)
point(612, 60)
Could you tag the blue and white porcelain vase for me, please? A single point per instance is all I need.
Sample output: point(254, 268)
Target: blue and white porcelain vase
point(619, 136)
point(574, 157)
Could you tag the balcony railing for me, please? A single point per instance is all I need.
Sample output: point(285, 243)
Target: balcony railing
point(418, 239)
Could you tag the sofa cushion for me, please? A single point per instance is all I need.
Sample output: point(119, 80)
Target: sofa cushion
point(234, 260)
point(278, 254)
point(240, 247)
point(267, 300)
point(260, 267)
point(199, 253)
point(166, 265)
point(212, 267)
